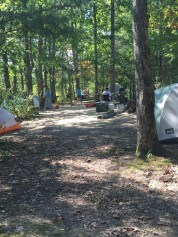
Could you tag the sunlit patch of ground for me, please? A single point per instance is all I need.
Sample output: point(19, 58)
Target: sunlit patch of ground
point(157, 173)
point(74, 175)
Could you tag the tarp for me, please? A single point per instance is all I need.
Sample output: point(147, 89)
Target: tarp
point(117, 88)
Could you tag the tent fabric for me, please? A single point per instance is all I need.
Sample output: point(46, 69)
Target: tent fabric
point(11, 128)
point(36, 101)
point(166, 112)
point(7, 121)
point(117, 88)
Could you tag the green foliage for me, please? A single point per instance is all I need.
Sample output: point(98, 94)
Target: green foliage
point(2, 94)
point(71, 25)
point(18, 104)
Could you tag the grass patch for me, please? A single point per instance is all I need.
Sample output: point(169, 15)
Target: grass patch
point(153, 162)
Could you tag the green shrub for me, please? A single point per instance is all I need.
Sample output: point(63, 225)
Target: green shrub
point(18, 104)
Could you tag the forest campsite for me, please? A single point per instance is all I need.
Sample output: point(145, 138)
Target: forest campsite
point(88, 118)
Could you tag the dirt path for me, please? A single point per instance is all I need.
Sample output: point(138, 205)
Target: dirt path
point(63, 176)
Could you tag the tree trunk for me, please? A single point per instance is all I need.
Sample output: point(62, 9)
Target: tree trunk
point(70, 85)
point(45, 67)
point(45, 75)
point(28, 71)
point(6, 70)
point(15, 83)
point(63, 86)
point(40, 68)
point(76, 69)
point(53, 75)
point(147, 140)
point(112, 60)
point(95, 50)
point(75, 62)
point(160, 73)
point(22, 78)
point(62, 83)
point(14, 63)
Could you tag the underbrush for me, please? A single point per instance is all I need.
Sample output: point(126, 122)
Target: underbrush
point(18, 104)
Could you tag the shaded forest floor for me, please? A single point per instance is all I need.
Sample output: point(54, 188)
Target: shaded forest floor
point(67, 173)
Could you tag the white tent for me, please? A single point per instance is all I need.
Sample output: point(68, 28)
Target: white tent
point(166, 112)
point(36, 101)
point(7, 121)
point(117, 88)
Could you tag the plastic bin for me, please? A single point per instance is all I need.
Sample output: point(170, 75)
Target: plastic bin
point(101, 106)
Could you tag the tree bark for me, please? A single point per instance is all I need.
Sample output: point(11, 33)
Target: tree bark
point(53, 73)
point(147, 140)
point(95, 49)
point(63, 85)
point(70, 85)
point(160, 56)
point(75, 61)
point(40, 68)
point(28, 69)
point(22, 78)
point(112, 60)
point(15, 83)
point(6, 70)
point(45, 67)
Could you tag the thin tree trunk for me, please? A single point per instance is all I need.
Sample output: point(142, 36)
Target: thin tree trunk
point(6, 70)
point(70, 85)
point(14, 63)
point(40, 68)
point(45, 67)
point(76, 69)
point(31, 53)
point(147, 140)
point(73, 88)
point(15, 83)
point(22, 78)
point(161, 44)
point(95, 50)
point(112, 60)
point(28, 71)
point(75, 61)
point(45, 75)
point(62, 83)
point(62, 77)
point(53, 76)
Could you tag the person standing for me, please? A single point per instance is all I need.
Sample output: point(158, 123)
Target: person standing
point(47, 96)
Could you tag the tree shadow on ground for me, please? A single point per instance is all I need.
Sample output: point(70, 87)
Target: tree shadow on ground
point(57, 184)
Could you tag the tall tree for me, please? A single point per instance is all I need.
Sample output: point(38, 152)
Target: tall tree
point(40, 68)
point(112, 60)
point(6, 70)
point(27, 60)
point(147, 140)
point(53, 70)
point(95, 48)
